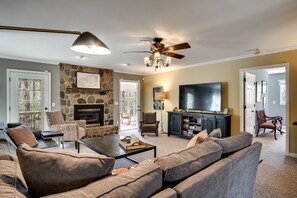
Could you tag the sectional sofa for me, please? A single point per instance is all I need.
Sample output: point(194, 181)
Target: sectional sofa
point(223, 168)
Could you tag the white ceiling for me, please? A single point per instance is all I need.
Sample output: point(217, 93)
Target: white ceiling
point(216, 30)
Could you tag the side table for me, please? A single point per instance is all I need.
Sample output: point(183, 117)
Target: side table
point(51, 134)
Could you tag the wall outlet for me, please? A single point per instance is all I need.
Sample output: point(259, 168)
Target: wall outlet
point(53, 104)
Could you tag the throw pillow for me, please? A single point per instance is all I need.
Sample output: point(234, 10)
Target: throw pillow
point(179, 166)
point(22, 134)
point(48, 172)
point(217, 133)
point(197, 139)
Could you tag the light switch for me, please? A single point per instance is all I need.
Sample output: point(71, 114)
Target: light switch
point(53, 104)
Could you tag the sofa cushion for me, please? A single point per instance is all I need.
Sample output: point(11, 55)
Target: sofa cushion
point(7, 151)
point(22, 134)
point(12, 183)
point(244, 165)
point(233, 143)
point(143, 180)
point(217, 133)
point(5, 136)
point(213, 181)
point(47, 172)
point(7, 148)
point(197, 139)
point(178, 166)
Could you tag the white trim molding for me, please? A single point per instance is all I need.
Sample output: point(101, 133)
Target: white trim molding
point(292, 155)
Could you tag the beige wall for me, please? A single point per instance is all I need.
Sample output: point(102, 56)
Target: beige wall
point(228, 74)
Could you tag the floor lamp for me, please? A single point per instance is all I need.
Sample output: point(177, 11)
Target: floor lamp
point(161, 96)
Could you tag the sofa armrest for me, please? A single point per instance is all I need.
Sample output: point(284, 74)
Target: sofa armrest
point(167, 193)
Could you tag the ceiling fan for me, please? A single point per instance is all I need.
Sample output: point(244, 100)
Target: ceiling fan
point(157, 48)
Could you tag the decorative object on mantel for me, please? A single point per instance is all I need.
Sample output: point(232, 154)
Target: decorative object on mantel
point(85, 43)
point(131, 143)
point(87, 80)
point(157, 49)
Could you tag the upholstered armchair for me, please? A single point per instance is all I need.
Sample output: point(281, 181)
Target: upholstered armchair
point(149, 123)
point(266, 122)
point(72, 130)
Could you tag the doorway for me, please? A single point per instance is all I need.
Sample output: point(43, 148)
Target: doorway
point(129, 102)
point(271, 95)
point(28, 98)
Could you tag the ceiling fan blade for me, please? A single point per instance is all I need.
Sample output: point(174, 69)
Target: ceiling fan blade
point(177, 47)
point(151, 45)
point(174, 55)
point(137, 52)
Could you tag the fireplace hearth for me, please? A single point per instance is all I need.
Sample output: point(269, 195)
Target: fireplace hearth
point(92, 113)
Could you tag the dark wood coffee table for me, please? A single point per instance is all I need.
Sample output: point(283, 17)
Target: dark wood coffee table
point(109, 146)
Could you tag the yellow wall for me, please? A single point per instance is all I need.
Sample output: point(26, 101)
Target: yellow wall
point(228, 74)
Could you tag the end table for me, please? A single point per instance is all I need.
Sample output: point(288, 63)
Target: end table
point(51, 134)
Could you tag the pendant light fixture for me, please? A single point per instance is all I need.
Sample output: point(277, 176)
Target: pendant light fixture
point(86, 42)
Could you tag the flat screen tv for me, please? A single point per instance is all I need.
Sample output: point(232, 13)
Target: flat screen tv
point(201, 97)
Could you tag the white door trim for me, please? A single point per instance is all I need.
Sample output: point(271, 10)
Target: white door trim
point(137, 100)
point(8, 72)
point(241, 95)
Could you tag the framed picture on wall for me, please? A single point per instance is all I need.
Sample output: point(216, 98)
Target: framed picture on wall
point(157, 105)
point(264, 87)
point(87, 80)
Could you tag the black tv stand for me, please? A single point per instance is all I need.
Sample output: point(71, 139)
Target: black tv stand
point(187, 124)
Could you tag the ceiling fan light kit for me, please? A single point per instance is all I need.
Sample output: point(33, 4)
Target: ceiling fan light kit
point(85, 43)
point(157, 49)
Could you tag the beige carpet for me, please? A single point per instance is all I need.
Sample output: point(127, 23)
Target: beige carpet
point(277, 174)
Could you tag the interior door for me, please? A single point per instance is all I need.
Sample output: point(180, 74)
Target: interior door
point(28, 98)
point(249, 102)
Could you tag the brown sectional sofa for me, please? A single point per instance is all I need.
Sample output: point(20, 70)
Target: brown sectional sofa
point(216, 168)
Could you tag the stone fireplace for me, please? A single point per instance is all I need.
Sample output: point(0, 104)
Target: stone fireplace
point(72, 97)
point(92, 113)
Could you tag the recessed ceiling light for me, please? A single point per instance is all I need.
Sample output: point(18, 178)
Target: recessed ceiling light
point(81, 57)
point(125, 64)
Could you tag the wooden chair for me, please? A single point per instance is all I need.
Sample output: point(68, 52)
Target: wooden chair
point(149, 123)
point(266, 122)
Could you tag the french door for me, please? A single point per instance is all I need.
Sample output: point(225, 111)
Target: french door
point(28, 98)
point(129, 104)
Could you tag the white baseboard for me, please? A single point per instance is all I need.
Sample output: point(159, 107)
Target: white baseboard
point(293, 155)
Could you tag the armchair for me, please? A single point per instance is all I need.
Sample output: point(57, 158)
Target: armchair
point(149, 123)
point(266, 122)
point(73, 130)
